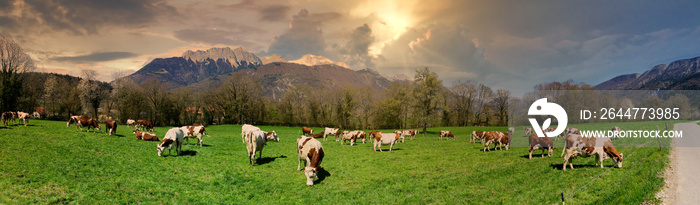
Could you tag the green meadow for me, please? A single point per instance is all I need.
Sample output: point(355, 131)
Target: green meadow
point(47, 162)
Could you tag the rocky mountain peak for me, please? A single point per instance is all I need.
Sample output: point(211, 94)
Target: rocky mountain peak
point(312, 60)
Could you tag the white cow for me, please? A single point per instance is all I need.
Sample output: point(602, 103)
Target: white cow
point(386, 138)
point(174, 136)
point(24, 117)
point(247, 129)
point(331, 131)
point(194, 132)
point(311, 152)
point(350, 136)
point(131, 123)
point(255, 142)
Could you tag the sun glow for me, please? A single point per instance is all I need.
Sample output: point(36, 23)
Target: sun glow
point(394, 18)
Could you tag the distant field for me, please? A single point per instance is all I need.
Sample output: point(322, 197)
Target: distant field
point(49, 163)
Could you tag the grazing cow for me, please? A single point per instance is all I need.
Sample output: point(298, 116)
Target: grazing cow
point(311, 153)
point(572, 130)
point(194, 132)
point(6, 117)
point(87, 122)
point(511, 130)
point(544, 143)
point(174, 136)
point(111, 126)
point(551, 129)
point(386, 138)
point(144, 124)
point(24, 117)
point(495, 137)
point(584, 146)
point(507, 137)
point(411, 133)
point(331, 131)
point(616, 132)
point(446, 134)
point(528, 131)
point(255, 142)
point(73, 119)
point(351, 136)
point(131, 122)
point(247, 128)
point(306, 131)
point(477, 135)
point(145, 136)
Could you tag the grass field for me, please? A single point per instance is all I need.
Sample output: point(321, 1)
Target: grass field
point(49, 163)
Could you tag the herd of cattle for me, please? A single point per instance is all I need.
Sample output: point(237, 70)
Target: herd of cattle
point(311, 152)
point(14, 117)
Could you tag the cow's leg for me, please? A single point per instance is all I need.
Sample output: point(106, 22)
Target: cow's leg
point(391, 146)
point(200, 141)
point(530, 153)
point(566, 159)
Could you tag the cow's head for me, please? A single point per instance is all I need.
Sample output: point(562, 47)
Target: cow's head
point(618, 160)
point(272, 136)
point(135, 132)
point(166, 143)
point(311, 175)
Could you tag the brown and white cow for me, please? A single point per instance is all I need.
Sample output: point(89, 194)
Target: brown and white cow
point(386, 138)
point(194, 132)
point(145, 136)
point(311, 153)
point(411, 133)
point(6, 118)
point(544, 143)
point(506, 139)
point(173, 136)
point(111, 126)
point(87, 122)
point(247, 128)
point(373, 134)
point(584, 146)
point(446, 134)
point(306, 130)
point(24, 117)
point(493, 137)
point(528, 132)
point(144, 125)
point(567, 139)
point(131, 122)
point(351, 136)
point(551, 129)
point(255, 142)
point(478, 135)
point(73, 119)
point(331, 131)
point(616, 132)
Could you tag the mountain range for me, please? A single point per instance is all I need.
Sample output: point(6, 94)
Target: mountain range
point(204, 70)
point(677, 75)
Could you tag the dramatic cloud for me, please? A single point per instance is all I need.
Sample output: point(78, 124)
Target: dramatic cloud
point(96, 57)
point(81, 17)
point(304, 36)
point(209, 36)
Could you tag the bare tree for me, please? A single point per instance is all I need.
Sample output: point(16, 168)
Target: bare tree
point(464, 94)
point(90, 92)
point(14, 63)
point(484, 97)
point(501, 104)
point(51, 92)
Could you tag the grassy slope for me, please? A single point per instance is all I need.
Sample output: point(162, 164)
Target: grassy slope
point(47, 163)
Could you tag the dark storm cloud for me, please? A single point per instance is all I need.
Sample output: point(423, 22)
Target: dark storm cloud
point(83, 17)
point(96, 57)
point(355, 53)
point(304, 36)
